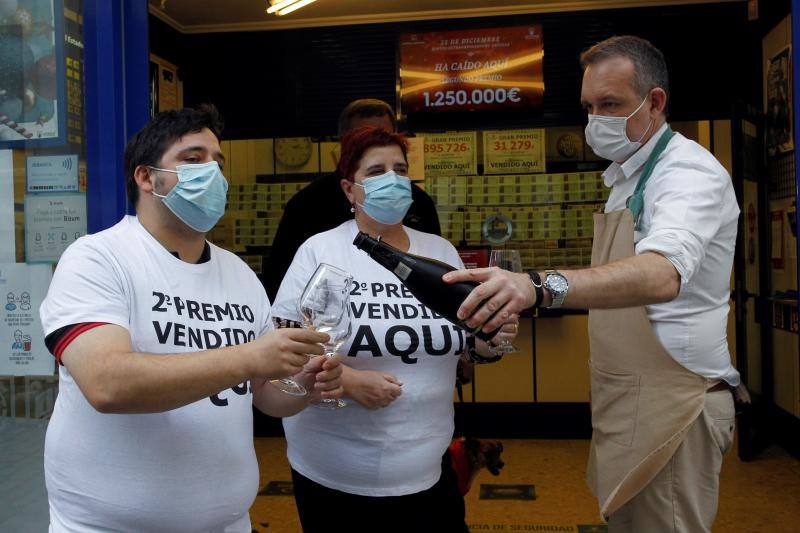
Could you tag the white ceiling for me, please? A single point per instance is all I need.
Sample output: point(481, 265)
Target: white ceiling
point(193, 16)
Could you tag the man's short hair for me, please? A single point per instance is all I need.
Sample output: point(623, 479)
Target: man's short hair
point(364, 108)
point(650, 69)
point(149, 144)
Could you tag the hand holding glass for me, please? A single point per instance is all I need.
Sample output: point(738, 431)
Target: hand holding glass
point(325, 307)
point(507, 260)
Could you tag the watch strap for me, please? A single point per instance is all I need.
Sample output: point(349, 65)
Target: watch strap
point(536, 280)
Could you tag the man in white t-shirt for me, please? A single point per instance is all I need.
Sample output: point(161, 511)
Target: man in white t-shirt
point(165, 343)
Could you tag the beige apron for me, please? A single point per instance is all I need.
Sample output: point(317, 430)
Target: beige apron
point(643, 401)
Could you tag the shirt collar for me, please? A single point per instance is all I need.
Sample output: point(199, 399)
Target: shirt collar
point(205, 257)
point(632, 165)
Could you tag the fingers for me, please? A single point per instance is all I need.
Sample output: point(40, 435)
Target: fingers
point(472, 274)
point(314, 365)
point(328, 385)
point(494, 300)
point(501, 319)
point(482, 292)
point(329, 375)
point(333, 394)
point(304, 348)
point(505, 295)
point(389, 394)
point(294, 363)
point(391, 379)
point(329, 363)
point(329, 379)
point(306, 336)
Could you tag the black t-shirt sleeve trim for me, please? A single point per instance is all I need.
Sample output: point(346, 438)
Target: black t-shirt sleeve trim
point(58, 340)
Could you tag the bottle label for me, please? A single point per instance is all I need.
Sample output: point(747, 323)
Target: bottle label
point(402, 271)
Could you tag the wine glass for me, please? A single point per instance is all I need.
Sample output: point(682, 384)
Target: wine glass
point(507, 260)
point(325, 307)
point(333, 318)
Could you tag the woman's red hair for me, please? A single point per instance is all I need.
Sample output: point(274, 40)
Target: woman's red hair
point(358, 141)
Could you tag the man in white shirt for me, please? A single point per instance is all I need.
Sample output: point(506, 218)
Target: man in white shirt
point(658, 291)
point(165, 343)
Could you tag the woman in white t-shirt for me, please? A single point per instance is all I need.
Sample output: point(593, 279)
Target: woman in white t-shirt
point(376, 464)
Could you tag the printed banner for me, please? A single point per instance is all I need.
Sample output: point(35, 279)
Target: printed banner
point(479, 69)
point(513, 151)
point(451, 154)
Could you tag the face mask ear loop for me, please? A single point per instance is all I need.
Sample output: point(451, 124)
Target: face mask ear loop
point(645, 131)
point(638, 108)
point(153, 183)
point(648, 124)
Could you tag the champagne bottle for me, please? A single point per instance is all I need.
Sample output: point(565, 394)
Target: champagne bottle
point(423, 277)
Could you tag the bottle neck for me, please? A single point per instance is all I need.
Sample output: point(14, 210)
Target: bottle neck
point(394, 235)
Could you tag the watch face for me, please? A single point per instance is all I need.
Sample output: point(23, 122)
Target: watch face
point(293, 151)
point(557, 283)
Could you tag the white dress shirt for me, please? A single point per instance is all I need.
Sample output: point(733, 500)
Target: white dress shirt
point(690, 217)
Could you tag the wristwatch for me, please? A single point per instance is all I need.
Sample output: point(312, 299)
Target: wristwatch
point(557, 284)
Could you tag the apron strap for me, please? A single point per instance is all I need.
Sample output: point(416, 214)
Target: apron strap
point(636, 202)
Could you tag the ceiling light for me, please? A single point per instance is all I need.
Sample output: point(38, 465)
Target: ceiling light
point(279, 4)
point(295, 7)
point(284, 7)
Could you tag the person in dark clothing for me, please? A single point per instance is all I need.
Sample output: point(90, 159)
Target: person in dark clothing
point(322, 205)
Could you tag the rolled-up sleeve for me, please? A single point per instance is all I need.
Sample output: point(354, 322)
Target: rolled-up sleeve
point(686, 214)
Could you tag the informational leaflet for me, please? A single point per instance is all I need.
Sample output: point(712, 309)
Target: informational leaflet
point(453, 153)
point(22, 350)
point(514, 151)
point(7, 236)
point(52, 173)
point(53, 222)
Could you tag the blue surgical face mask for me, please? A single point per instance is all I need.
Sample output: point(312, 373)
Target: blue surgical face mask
point(199, 197)
point(387, 197)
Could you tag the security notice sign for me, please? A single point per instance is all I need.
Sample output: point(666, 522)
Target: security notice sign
point(22, 349)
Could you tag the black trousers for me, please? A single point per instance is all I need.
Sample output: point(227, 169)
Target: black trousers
point(440, 509)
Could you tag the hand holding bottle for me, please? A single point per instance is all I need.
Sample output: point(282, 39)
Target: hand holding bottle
point(423, 276)
point(500, 295)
